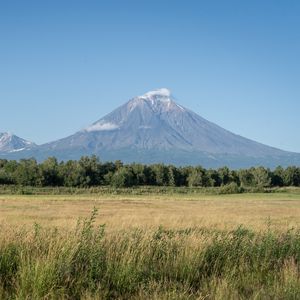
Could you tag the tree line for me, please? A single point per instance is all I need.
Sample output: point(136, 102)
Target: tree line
point(90, 171)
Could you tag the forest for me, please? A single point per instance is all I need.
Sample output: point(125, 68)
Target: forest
point(90, 171)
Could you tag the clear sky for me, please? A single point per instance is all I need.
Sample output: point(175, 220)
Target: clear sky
point(65, 64)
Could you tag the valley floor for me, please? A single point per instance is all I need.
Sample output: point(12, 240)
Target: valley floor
point(256, 211)
point(171, 246)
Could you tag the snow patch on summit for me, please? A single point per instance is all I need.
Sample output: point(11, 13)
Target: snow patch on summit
point(163, 93)
point(160, 101)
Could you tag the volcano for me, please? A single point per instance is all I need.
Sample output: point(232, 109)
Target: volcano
point(153, 128)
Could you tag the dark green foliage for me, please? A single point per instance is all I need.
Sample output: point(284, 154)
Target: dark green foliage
point(9, 264)
point(90, 172)
point(225, 175)
point(291, 176)
point(27, 172)
point(123, 177)
point(50, 172)
point(277, 177)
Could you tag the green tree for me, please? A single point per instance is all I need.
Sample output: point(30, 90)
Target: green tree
point(5, 175)
point(214, 178)
point(89, 171)
point(50, 172)
point(70, 172)
point(196, 177)
point(138, 171)
point(261, 176)
point(160, 172)
point(123, 177)
point(28, 173)
point(292, 176)
point(278, 177)
point(172, 176)
point(226, 176)
point(246, 177)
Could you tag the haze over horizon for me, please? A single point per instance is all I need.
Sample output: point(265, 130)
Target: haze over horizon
point(65, 65)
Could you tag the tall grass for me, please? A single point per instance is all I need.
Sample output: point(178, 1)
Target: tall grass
point(89, 262)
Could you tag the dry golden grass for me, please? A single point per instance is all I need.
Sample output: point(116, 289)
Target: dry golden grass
point(187, 258)
point(256, 211)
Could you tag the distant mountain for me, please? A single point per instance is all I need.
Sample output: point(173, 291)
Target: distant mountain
point(11, 143)
point(154, 128)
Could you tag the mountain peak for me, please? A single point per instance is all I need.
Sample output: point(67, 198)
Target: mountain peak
point(12, 143)
point(140, 109)
point(5, 136)
point(160, 100)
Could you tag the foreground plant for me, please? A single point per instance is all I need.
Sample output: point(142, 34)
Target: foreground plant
point(191, 263)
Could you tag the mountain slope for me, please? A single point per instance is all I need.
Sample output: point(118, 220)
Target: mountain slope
point(154, 128)
point(11, 143)
point(155, 122)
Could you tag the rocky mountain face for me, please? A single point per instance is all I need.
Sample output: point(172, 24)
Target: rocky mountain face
point(10, 143)
point(154, 128)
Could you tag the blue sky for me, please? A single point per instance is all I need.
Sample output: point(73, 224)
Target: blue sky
point(65, 64)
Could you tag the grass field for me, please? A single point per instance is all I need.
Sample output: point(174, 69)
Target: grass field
point(256, 211)
point(176, 246)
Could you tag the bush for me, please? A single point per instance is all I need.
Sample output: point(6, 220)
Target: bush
point(231, 188)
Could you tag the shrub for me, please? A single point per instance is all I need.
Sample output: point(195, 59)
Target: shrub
point(231, 188)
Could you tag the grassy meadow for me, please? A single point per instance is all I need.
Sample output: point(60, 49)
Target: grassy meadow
point(150, 246)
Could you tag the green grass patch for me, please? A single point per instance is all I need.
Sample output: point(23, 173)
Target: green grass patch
point(140, 190)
